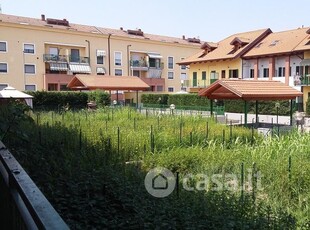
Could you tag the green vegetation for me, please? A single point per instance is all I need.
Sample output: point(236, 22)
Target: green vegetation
point(75, 100)
point(91, 166)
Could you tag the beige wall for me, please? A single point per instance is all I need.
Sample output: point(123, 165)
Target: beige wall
point(16, 35)
point(216, 66)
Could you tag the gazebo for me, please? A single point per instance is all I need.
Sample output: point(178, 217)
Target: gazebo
point(89, 82)
point(250, 90)
point(10, 92)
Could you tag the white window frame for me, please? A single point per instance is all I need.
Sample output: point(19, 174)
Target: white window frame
point(171, 87)
point(35, 87)
point(7, 68)
point(182, 67)
point(6, 47)
point(172, 62)
point(172, 75)
point(7, 84)
point(118, 69)
point(120, 58)
point(35, 69)
point(34, 48)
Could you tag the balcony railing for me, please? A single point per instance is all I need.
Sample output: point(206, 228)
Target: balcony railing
point(145, 64)
point(302, 80)
point(64, 58)
point(22, 204)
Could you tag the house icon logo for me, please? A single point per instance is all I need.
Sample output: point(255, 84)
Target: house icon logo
point(159, 182)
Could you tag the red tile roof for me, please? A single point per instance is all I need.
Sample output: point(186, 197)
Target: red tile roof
point(249, 90)
point(80, 82)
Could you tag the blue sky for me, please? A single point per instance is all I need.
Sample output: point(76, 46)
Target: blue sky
point(210, 20)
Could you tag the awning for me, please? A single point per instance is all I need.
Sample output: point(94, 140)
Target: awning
point(100, 53)
point(58, 66)
point(79, 68)
point(101, 70)
point(305, 62)
point(154, 55)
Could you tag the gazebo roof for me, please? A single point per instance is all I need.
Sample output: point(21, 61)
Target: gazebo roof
point(10, 92)
point(90, 82)
point(249, 90)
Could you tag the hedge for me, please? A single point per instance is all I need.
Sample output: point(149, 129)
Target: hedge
point(233, 106)
point(75, 100)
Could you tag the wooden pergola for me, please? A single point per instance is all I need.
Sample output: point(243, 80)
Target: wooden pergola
point(90, 82)
point(250, 90)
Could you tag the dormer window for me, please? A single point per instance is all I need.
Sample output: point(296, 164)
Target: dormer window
point(208, 47)
point(238, 43)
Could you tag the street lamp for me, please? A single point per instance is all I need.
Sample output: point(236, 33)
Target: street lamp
point(128, 60)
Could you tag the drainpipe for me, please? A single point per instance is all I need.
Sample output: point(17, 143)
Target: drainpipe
point(109, 50)
point(88, 51)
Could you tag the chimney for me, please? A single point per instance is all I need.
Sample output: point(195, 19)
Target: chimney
point(139, 29)
point(121, 28)
point(42, 17)
point(183, 37)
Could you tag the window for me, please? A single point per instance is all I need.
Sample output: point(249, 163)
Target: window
point(281, 71)
point(170, 62)
point(3, 67)
point(170, 75)
point(3, 47)
point(117, 58)
point(100, 57)
point(183, 67)
point(266, 72)
point(233, 73)
point(159, 88)
point(118, 72)
point(136, 73)
point(223, 74)
point(30, 69)
point(29, 48)
point(30, 87)
point(64, 87)
point(170, 89)
point(204, 75)
point(194, 79)
point(154, 62)
point(2, 86)
point(75, 55)
point(251, 73)
point(52, 87)
point(183, 76)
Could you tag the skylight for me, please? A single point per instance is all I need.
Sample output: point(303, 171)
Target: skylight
point(273, 43)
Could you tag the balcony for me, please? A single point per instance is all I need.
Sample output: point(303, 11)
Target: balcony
point(65, 58)
point(145, 65)
point(303, 80)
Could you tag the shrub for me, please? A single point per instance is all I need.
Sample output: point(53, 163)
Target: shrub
point(155, 99)
point(100, 97)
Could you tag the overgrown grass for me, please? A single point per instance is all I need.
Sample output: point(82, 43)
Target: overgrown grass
point(79, 161)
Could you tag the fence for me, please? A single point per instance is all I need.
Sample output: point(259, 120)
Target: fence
point(22, 204)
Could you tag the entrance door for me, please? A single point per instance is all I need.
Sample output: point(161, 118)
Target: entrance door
point(194, 79)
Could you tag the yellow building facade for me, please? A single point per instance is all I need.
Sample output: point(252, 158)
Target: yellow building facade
point(261, 55)
point(45, 54)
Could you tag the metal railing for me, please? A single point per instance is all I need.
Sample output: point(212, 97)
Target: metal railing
point(302, 80)
point(146, 64)
point(64, 58)
point(22, 204)
point(219, 110)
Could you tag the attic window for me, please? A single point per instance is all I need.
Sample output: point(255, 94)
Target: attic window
point(258, 45)
point(193, 40)
point(273, 43)
point(58, 22)
point(138, 32)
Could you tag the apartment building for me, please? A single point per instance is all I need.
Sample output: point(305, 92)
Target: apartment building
point(45, 54)
point(263, 55)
